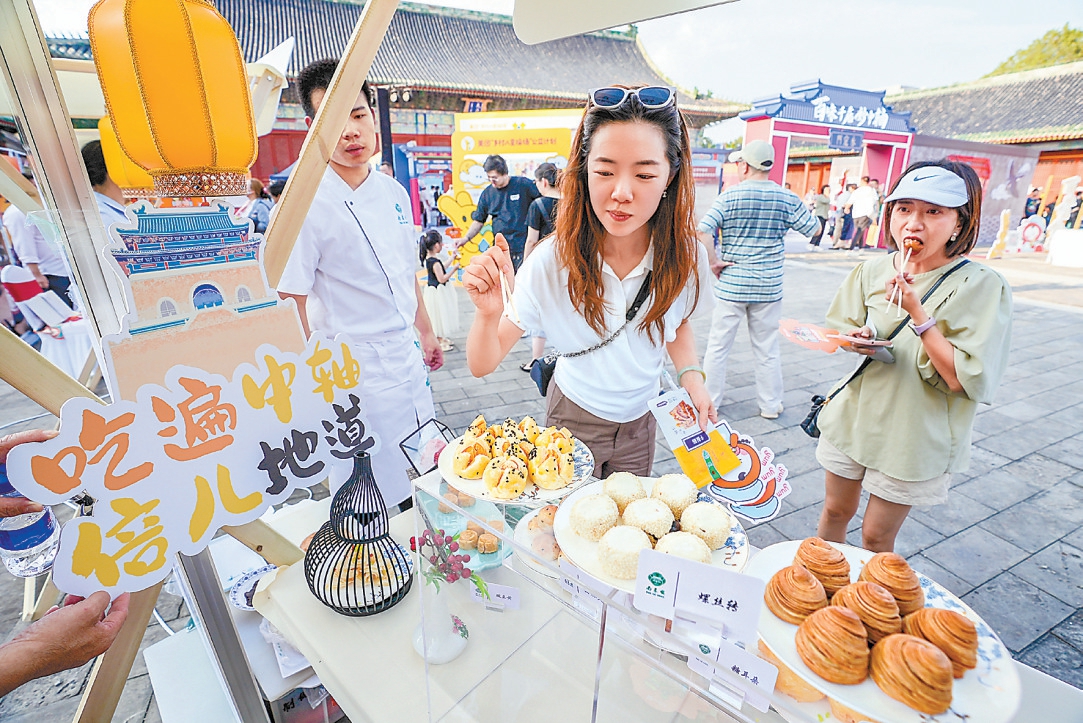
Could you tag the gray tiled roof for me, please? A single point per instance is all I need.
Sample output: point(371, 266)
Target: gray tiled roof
point(1028, 107)
point(438, 48)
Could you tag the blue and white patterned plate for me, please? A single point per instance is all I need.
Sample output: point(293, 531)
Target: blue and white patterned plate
point(533, 496)
point(989, 694)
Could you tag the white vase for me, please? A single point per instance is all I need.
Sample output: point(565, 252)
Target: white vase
point(440, 637)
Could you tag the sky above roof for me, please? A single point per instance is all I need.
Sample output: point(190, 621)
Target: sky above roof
point(754, 48)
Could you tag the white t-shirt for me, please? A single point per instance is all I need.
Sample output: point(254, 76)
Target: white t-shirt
point(31, 246)
point(863, 202)
point(357, 255)
point(617, 381)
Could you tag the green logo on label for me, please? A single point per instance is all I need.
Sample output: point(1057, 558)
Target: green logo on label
point(704, 649)
point(656, 578)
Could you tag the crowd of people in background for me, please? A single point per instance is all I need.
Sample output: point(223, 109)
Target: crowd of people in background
point(847, 215)
point(1034, 207)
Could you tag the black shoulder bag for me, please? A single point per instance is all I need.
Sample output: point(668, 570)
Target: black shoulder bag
point(541, 370)
point(809, 426)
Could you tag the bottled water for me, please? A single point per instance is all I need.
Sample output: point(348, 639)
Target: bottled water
point(28, 543)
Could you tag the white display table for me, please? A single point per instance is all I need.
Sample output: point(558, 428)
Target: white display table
point(543, 662)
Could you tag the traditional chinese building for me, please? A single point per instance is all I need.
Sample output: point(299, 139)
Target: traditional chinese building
point(194, 282)
point(1038, 109)
point(436, 62)
point(813, 123)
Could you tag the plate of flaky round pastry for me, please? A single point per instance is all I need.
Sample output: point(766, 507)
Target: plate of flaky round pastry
point(516, 461)
point(880, 641)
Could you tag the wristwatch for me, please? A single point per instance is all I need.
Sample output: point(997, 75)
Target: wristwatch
point(922, 328)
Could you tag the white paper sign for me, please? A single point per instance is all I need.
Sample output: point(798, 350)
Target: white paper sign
point(500, 596)
point(670, 587)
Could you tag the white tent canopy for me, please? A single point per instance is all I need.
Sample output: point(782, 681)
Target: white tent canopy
point(538, 21)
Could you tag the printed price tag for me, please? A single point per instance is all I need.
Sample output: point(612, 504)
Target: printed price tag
point(670, 586)
point(504, 597)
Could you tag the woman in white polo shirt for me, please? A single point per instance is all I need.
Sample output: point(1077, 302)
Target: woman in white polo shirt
point(625, 224)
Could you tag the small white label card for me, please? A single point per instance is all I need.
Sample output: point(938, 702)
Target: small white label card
point(583, 599)
point(504, 597)
point(671, 587)
point(757, 676)
point(706, 666)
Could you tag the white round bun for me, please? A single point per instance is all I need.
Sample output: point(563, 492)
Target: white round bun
point(686, 545)
point(624, 488)
point(593, 515)
point(707, 521)
point(677, 491)
point(619, 549)
point(650, 515)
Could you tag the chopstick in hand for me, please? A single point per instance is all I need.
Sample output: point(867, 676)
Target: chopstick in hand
point(509, 304)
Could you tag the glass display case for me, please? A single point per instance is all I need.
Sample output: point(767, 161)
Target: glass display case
point(548, 643)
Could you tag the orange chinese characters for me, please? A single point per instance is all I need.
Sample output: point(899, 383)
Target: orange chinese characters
point(329, 374)
point(205, 419)
point(275, 389)
point(100, 438)
point(88, 558)
point(204, 512)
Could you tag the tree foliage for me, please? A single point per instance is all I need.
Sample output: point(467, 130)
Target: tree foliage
point(1060, 45)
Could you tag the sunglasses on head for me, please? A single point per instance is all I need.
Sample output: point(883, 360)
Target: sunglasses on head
point(652, 96)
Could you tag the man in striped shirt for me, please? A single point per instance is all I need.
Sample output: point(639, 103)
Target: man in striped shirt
point(752, 219)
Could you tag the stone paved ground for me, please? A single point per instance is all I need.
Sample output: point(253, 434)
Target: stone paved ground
point(1009, 541)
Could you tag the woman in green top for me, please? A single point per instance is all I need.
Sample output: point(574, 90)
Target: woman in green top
point(900, 429)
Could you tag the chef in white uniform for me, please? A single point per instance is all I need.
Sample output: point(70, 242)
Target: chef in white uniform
point(356, 255)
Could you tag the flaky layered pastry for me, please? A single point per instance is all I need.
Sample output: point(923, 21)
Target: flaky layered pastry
point(874, 605)
point(793, 593)
point(825, 562)
point(914, 672)
point(894, 573)
point(952, 632)
point(832, 642)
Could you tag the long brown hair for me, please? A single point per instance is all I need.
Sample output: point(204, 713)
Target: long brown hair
point(969, 212)
point(579, 232)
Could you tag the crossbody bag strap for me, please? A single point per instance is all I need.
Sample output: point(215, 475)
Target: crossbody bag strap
point(641, 297)
point(928, 295)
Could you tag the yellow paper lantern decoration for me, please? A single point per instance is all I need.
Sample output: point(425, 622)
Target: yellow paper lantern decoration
point(176, 89)
point(134, 182)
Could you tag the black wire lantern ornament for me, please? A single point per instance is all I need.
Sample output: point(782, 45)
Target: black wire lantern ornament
point(352, 565)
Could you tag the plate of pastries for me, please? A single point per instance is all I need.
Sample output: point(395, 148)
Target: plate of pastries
point(603, 526)
point(878, 640)
point(516, 461)
point(535, 533)
point(477, 540)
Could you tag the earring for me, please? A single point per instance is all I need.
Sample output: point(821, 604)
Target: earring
point(954, 235)
point(663, 194)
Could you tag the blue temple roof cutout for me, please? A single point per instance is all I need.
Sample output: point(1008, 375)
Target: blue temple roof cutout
point(816, 102)
point(181, 239)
